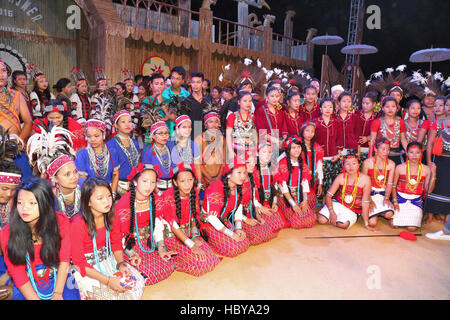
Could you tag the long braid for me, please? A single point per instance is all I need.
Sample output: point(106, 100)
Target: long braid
point(226, 194)
point(153, 219)
point(290, 169)
point(65, 123)
point(130, 242)
point(251, 179)
point(261, 192)
point(193, 203)
point(176, 193)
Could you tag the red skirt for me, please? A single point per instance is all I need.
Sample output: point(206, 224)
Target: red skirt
point(297, 221)
point(188, 262)
point(152, 267)
point(259, 233)
point(276, 221)
point(223, 244)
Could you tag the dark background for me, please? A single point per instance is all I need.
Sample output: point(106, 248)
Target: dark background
point(406, 26)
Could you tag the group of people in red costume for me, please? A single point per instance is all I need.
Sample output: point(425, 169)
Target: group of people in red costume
point(129, 187)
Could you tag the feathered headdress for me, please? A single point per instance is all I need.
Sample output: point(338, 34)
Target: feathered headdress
point(36, 74)
point(44, 147)
point(244, 71)
point(298, 78)
point(9, 145)
point(77, 75)
point(178, 106)
point(431, 85)
point(103, 110)
point(152, 118)
point(99, 74)
point(211, 110)
point(392, 80)
point(127, 74)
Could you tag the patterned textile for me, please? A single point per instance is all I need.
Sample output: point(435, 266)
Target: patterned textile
point(295, 220)
point(188, 262)
point(259, 233)
point(92, 289)
point(409, 215)
point(223, 244)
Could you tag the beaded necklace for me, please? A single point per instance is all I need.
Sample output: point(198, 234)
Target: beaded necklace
point(152, 246)
point(349, 199)
point(298, 183)
point(231, 216)
point(99, 162)
point(267, 191)
point(4, 214)
point(68, 210)
point(109, 254)
point(412, 183)
point(131, 152)
point(42, 284)
point(380, 175)
point(166, 164)
point(185, 153)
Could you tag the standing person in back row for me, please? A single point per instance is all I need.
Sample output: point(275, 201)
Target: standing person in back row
point(197, 102)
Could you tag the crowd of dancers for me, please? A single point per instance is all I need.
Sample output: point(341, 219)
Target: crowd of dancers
point(105, 192)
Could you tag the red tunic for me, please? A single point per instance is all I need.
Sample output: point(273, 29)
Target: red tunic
point(326, 136)
point(357, 206)
point(277, 121)
point(373, 175)
point(402, 185)
point(347, 132)
point(82, 244)
point(258, 181)
point(169, 211)
point(18, 272)
point(293, 124)
point(309, 115)
point(390, 132)
point(363, 125)
point(214, 200)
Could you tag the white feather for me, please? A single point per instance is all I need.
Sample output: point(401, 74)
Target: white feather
point(258, 62)
point(368, 83)
point(227, 67)
point(438, 76)
point(221, 77)
point(447, 82)
point(389, 70)
point(269, 74)
point(277, 71)
point(248, 61)
point(378, 74)
point(401, 68)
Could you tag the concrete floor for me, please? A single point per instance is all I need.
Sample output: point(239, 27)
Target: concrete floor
point(292, 267)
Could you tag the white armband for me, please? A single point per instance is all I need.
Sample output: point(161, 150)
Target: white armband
point(238, 225)
point(292, 202)
point(305, 186)
point(320, 171)
point(189, 243)
point(158, 233)
point(229, 233)
point(284, 188)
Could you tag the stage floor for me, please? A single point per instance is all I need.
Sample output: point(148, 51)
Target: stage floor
point(292, 267)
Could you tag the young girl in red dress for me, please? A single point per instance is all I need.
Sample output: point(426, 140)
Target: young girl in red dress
point(313, 157)
point(36, 245)
point(392, 127)
point(97, 253)
point(292, 116)
point(222, 214)
point(380, 169)
point(410, 186)
point(309, 109)
point(294, 177)
point(181, 211)
point(348, 197)
point(255, 226)
point(140, 215)
point(364, 119)
point(346, 122)
point(326, 137)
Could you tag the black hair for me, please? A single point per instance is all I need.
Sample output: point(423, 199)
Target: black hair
point(45, 93)
point(313, 152)
point(227, 195)
point(242, 93)
point(272, 82)
point(86, 192)
point(300, 165)
point(246, 82)
point(228, 89)
point(61, 84)
point(292, 94)
point(372, 96)
point(422, 114)
point(192, 201)
point(155, 76)
point(65, 123)
point(313, 79)
point(343, 94)
point(138, 77)
point(439, 98)
point(10, 167)
point(414, 144)
point(14, 76)
point(329, 99)
point(130, 241)
point(197, 74)
point(387, 99)
point(180, 70)
point(270, 89)
point(218, 89)
point(309, 86)
point(122, 85)
point(20, 234)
